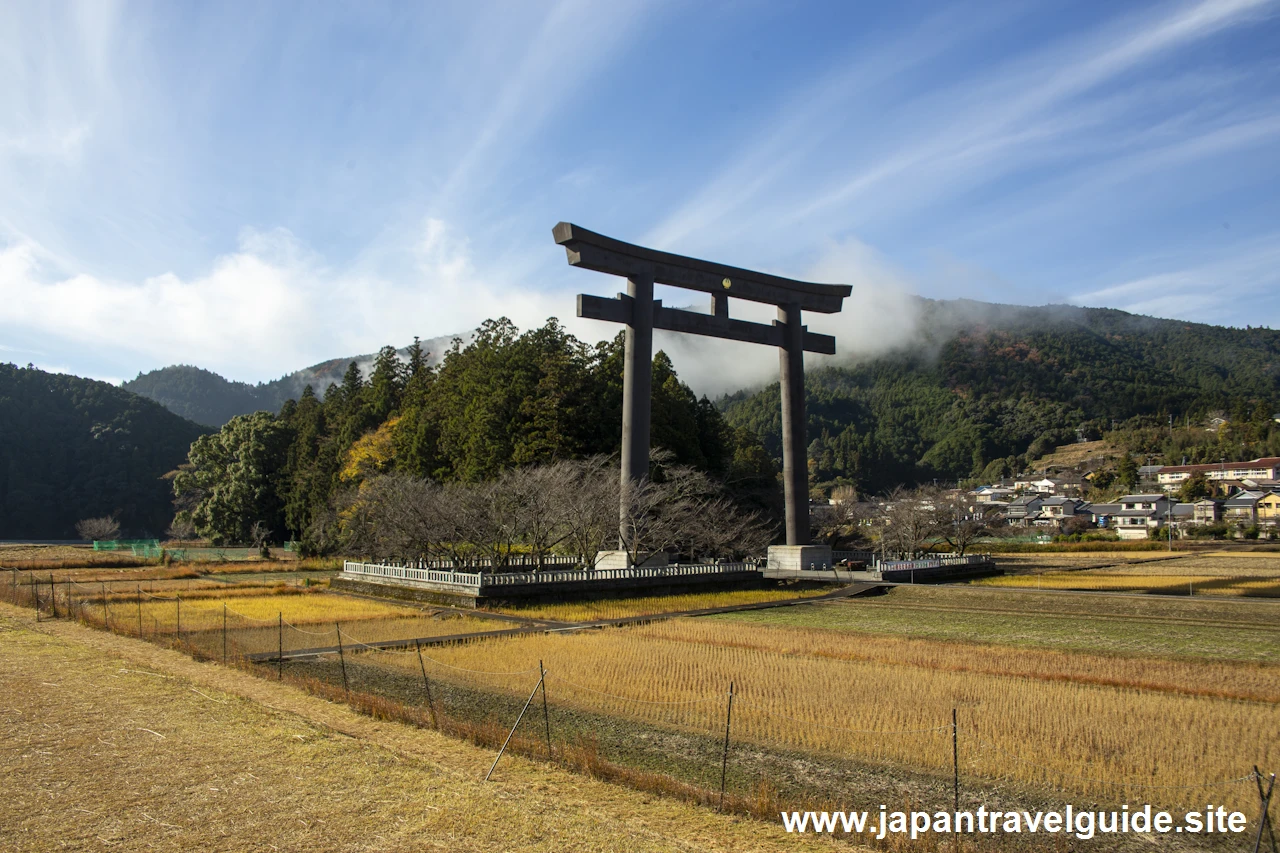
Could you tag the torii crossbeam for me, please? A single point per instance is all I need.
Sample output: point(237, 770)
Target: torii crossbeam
point(641, 314)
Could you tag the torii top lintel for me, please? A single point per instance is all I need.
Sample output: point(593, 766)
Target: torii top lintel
point(593, 251)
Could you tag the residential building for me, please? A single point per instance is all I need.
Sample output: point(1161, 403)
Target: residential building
point(1023, 510)
point(1140, 514)
point(1057, 509)
point(1242, 507)
point(1103, 513)
point(1206, 511)
point(1268, 509)
point(1267, 468)
point(1149, 475)
point(992, 494)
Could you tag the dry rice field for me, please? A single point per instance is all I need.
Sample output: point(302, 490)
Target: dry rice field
point(1043, 719)
point(622, 608)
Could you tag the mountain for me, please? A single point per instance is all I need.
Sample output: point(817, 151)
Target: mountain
point(77, 448)
point(207, 398)
point(981, 389)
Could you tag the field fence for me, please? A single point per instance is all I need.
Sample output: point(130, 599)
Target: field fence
point(741, 747)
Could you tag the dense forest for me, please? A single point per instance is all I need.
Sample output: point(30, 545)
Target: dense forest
point(73, 448)
point(986, 388)
point(506, 399)
point(201, 395)
point(205, 397)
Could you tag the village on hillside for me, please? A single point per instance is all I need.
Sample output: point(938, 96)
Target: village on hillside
point(1225, 500)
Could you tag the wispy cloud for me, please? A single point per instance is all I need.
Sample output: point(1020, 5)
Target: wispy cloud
point(991, 111)
point(1247, 273)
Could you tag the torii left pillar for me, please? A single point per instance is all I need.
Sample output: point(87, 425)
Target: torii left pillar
point(637, 396)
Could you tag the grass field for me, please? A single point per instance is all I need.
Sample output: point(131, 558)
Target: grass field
point(621, 608)
point(1201, 627)
point(1248, 574)
point(189, 756)
point(1149, 581)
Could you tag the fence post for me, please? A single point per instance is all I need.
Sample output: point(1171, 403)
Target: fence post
point(546, 716)
point(427, 683)
point(724, 765)
point(1264, 820)
point(342, 660)
point(139, 611)
point(955, 756)
point(224, 633)
point(35, 596)
point(177, 599)
point(106, 615)
point(53, 597)
point(280, 645)
point(511, 733)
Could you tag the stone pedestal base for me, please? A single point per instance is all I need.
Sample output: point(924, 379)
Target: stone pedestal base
point(799, 558)
point(622, 560)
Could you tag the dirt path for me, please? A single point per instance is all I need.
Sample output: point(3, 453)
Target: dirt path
point(111, 743)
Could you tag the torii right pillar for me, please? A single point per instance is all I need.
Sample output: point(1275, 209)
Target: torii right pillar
point(799, 554)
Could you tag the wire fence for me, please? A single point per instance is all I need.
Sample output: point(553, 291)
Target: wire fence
point(746, 747)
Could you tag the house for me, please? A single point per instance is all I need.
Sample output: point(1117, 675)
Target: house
point(1103, 513)
point(1268, 509)
point(1260, 485)
point(992, 494)
point(1242, 507)
point(1206, 511)
point(1140, 514)
point(1267, 468)
point(1023, 510)
point(1057, 509)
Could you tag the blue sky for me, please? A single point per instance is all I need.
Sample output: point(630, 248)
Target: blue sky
point(254, 187)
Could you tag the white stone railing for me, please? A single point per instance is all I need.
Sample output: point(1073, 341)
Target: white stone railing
point(470, 580)
point(516, 561)
point(933, 562)
point(477, 580)
point(675, 570)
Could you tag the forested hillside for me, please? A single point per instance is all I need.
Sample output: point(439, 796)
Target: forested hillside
point(73, 448)
point(200, 395)
point(207, 398)
point(506, 399)
point(983, 388)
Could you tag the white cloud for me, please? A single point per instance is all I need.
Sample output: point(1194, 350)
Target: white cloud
point(270, 307)
point(880, 316)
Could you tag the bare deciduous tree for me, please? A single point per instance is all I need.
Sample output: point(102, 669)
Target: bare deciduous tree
point(587, 503)
point(958, 521)
point(565, 506)
point(98, 529)
point(182, 528)
point(907, 521)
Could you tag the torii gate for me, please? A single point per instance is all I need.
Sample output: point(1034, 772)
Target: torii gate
point(642, 314)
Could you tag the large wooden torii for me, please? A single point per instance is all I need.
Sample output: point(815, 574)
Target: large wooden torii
point(641, 314)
